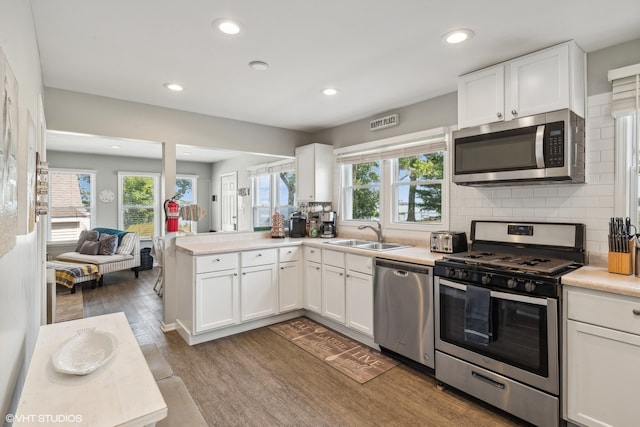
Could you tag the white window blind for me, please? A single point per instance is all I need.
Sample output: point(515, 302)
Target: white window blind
point(625, 84)
point(392, 148)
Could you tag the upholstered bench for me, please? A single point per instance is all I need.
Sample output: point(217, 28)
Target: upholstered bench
point(69, 274)
point(125, 253)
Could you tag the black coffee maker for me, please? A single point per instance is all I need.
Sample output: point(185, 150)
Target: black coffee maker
point(328, 225)
point(297, 225)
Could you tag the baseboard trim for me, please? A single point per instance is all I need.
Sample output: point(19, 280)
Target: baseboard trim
point(167, 327)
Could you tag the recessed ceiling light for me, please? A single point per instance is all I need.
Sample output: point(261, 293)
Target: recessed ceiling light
point(330, 91)
point(227, 26)
point(115, 147)
point(258, 65)
point(173, 86)
point(187, 153)
point(457, 36)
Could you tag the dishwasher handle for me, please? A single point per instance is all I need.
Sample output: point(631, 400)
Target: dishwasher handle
point(401, 273)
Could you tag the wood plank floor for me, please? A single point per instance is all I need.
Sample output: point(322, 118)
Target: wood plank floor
point(258, 378)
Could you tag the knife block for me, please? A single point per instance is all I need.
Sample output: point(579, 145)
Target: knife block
point(622, 262)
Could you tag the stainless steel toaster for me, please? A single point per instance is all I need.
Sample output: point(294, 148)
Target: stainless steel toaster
point(448, 241)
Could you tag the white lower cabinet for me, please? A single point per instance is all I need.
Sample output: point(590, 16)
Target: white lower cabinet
point(333, 277)
point(216, 300)
point(259, 284)
point(603, 358)
point(359, 302)
point(359, 293)
point(312, 279)
point(290, 286)
point(333, 298)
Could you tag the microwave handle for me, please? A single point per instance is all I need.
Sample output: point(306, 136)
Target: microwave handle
point(540, 147)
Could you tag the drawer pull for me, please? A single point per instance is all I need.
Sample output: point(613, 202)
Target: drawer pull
point(259, 255)
point(636, 311)
point(217, 259)
point(487, 380)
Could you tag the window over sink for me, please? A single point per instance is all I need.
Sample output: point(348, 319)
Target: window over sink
point(400, 181)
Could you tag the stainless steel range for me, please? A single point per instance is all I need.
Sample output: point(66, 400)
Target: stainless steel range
point(497, 310)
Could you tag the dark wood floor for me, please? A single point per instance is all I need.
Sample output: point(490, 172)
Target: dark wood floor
point(260, 379)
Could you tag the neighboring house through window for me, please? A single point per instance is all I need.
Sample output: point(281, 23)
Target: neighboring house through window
point(71, 204)
point(186, 194)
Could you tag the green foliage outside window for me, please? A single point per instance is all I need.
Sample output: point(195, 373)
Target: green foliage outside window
point(138, 201)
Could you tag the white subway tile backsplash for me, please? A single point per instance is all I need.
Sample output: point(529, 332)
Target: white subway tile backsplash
point(590, 203)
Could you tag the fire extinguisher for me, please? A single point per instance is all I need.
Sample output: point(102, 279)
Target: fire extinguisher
point(172, 213)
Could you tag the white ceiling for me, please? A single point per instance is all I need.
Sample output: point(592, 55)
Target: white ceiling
point(379, 55)
point(81, 143)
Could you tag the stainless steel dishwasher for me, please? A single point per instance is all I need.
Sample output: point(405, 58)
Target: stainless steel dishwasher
point(403, 310)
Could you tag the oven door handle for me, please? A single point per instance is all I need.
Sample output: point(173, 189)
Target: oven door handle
point(500, 295)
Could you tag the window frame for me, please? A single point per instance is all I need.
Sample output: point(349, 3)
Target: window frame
point(433, 140)
point(395, 184)
point(92, 204)
point(156, 201)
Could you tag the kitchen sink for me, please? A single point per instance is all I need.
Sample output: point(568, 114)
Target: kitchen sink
point(367, 244)
point(350, 243)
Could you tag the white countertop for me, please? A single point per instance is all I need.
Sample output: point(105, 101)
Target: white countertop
point(590, 277)
point(598, 278)
point(419, 255)
point(122, 392)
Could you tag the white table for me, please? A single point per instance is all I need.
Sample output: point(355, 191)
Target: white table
point(122, 392)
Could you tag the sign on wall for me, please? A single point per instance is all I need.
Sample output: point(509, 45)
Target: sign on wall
point(384, 122)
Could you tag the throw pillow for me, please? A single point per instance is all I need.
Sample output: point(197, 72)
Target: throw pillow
point(90, 248)
point(127, 244)
point(108, 244)
point(86, 235)
point(119, 233)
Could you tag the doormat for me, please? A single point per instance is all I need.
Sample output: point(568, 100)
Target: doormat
point(354, 359)
point(69, 306)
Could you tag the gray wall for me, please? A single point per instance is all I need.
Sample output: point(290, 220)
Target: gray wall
point(239, 165)
point(601, 61)
point(107, 168)
point(21, 271)
point(436, 112)
point(97, 115)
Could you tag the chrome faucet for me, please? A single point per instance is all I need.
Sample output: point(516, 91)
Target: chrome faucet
point(378, 230)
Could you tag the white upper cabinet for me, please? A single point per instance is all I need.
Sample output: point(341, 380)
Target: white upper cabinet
point(481, 97)
point(314, 173)
point(548, 80)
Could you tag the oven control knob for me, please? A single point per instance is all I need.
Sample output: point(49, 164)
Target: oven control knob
point(486, 279)
point(529, 286)
point(512, 283)
point(462, 274)
point(450, 272)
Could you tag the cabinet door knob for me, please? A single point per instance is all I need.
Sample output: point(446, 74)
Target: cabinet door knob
point(259, 255)
point(514, 112)
point(636, 311)
point(217, 259)
point(499, 115)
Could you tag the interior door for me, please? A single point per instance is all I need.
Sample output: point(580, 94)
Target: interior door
point(229, 201)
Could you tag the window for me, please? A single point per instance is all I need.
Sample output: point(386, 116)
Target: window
point(625, 108)
point(138, 203)
point(400, 181)
point(362, 190)
point(186, 194)
point(274, 188)
point(417, 184)
point(72, 204)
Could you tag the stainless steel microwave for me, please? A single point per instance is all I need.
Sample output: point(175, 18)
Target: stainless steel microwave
point(544, 148)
